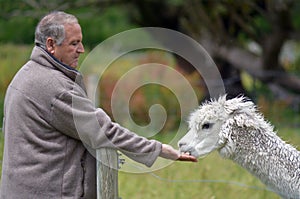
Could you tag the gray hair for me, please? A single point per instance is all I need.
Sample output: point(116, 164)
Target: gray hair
point(52, 25)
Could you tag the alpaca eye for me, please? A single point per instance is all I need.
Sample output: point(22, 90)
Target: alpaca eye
point(206, 126)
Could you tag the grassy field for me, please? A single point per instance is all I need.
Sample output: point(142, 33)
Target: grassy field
point(210, 178)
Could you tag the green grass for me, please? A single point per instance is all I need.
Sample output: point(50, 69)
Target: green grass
point(12, 57)
point(211, 178)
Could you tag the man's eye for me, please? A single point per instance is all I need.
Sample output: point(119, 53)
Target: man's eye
point(206, 126)
point(75, 43)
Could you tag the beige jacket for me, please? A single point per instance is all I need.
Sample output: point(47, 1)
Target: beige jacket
point(47, 117)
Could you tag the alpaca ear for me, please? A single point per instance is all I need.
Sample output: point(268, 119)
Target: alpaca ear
point(238, 105)
point(242, 111)
point(231, 106)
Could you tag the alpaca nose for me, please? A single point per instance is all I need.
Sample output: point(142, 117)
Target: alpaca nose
point(181, 144)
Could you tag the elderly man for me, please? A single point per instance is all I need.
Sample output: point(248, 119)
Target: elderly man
point(44, 153)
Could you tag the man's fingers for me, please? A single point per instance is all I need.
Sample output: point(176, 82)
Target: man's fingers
point(186, 157)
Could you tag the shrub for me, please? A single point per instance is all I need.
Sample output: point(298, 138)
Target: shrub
point(147, 95)
point(12, 57)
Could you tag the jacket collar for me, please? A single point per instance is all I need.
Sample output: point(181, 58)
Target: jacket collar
point(44, 58)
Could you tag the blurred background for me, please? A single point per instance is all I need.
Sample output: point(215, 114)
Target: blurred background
point(255, 45)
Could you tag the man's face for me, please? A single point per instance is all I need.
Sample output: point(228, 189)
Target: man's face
point(71, 48)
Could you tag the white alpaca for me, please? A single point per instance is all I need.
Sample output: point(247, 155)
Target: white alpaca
point(240, 133)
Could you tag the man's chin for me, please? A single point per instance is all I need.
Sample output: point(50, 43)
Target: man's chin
point(74, 65)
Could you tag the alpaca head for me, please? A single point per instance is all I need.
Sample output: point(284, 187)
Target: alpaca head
point(211, 124)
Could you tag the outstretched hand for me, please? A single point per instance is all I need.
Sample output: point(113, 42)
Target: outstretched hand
point(187, 157)
point(169, 152)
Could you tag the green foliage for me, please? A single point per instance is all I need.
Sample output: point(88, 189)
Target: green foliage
point(98, 27)
point(145, 96)
point(295, 14)
point(17, 30)
point(277, 111)
point(97, 24)
point(175, 2)
point(261, 24)
point(12, 57)
point(8, 6)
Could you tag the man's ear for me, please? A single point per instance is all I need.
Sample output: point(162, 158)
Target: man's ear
point(50, 45)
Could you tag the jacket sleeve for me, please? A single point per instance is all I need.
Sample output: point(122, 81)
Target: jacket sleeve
point(73, 114)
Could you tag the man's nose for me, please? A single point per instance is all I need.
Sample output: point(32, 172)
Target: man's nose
point(80, 48)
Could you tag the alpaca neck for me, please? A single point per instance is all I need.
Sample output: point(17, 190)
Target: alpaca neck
point(267, 157)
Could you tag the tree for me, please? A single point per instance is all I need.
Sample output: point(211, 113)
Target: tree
point(225, 28)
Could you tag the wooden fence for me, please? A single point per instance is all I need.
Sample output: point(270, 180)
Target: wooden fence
point(107, 174)
point(107, 159)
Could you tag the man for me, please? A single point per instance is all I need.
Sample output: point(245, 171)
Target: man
point(44, 151)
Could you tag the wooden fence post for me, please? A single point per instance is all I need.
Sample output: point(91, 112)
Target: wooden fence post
point(107, 174)
point(107, 159)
